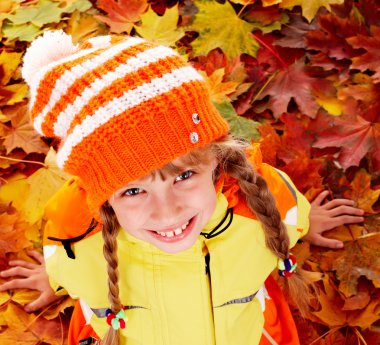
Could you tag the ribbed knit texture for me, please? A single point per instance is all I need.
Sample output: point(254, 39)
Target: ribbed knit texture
point(122, 107)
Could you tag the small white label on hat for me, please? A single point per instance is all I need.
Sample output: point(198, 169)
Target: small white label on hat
point(196, 118)
point(194, 137)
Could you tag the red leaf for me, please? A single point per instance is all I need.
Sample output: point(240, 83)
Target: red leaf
point(291, 83)
point(356, 139)
point(369, 60)
point(331, 37)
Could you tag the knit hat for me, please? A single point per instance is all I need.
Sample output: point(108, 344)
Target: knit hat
point(121, 106)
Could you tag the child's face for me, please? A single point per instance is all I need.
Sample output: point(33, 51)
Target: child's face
point(169, 213)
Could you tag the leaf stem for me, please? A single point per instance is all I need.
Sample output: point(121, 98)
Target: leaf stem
point(324, 334)
point(278, 57)
point(243, 8)
point(23, 161)
point(263, 87)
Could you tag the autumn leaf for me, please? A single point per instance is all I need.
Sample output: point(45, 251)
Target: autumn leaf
point(240, 126)
point(23, 135)
point(332, 35)
point(12, 232)
point(369, 60)
point(292, 82)
point(355, 139)
point(309, 8)
point(122, 14)
point(82, 26)
point(359, 258)
point(362, 193)
point(219, 90)
point(219, 27)
point(9, 62)
point(43, 184)
point(162, 30)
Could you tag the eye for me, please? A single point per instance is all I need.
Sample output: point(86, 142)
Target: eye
point(133, 191)
point(184, 176)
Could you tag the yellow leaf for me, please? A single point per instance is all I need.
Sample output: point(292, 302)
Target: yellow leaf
point(43, 184)
point(18, 91)
point(162, 30)
point(9, 63)
point(219, 26)
point(15, 191)
point(331, 104)
point(310, 7)
point(83, 26)
point(218, 89)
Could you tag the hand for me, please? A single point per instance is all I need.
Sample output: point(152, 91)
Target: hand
point(329, 215)
point(30, 276)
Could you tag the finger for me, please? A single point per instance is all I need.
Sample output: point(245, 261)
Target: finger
point(320, 197)
point(16, 284)
point(41, 302)
point(345, 210)
point(16, 271)
point(337, 221)
point(22, 263)
point(327, 242)
point(338, 202)
point(36, 256)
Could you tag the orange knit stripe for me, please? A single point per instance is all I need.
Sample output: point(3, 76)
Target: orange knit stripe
point(117, 124)
point(49, 80)
point(87, 79)
point(129, 82)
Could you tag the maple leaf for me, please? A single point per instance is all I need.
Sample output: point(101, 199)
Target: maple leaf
point(14, 93)
point(23, 135)
point(332, 34)
point(162, 30)
point(309, 8)
point(358, 258)
point(9, 62)
point(369, 60)
point(12, 232)
point(355, 139)
point(240, 126)
point(361, 191)
point(43, 184)
point(289, 83)
point(122, 14)
point(82, 26)
point(219, 90)
point(219, 27)
point(295, 32)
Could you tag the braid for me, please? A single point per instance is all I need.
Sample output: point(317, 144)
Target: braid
point(109, 232)
point(260, 200)
point(232, 157)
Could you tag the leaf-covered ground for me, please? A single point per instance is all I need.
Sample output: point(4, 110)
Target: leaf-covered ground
point(301, 77)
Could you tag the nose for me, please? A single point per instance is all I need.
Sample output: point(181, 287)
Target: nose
point(166, 207)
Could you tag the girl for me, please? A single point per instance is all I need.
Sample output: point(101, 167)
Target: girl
point(190, 221)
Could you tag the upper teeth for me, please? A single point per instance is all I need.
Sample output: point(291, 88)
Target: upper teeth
point(177, 231)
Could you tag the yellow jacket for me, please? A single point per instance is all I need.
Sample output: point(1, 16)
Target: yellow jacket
point(172, 299)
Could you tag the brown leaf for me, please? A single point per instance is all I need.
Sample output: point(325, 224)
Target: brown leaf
point(12, 233)
point(361, 191)
point(23, 135)
point(358, 258)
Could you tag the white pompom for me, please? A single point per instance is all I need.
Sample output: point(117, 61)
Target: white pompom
point(49, 47)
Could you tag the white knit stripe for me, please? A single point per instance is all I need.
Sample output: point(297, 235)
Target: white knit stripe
point(129, 99)
point(140, 60)
point(69, 77)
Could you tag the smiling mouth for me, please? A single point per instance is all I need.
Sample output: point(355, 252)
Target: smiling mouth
point(176, 234)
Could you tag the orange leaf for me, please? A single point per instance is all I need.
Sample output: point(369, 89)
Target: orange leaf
point(122, 14)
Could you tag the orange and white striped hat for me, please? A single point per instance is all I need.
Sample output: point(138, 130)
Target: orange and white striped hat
point(121, 106)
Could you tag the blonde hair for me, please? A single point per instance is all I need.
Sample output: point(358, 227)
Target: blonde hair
point(231, 156)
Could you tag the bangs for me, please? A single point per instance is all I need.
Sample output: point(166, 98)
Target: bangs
point(193, 159)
